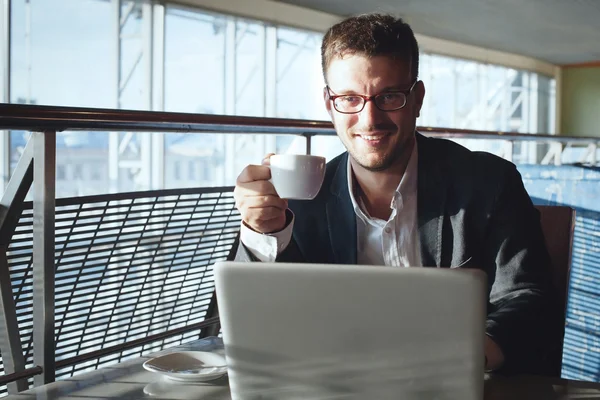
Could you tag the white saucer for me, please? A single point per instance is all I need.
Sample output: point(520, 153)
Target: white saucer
point(188, 366)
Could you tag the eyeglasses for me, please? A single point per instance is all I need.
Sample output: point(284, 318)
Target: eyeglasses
point(354, 103)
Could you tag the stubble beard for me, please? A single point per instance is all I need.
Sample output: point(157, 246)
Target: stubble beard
point(388, 159)
point(381, 165)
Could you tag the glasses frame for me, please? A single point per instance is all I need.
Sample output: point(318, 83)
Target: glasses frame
point(406, 93)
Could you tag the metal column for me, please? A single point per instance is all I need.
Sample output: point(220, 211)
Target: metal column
point(270, 81)
point(4, 88)
point(230, 97)
point(113, 138)
point(44, 160)
point(158, 94)
point(130, 154)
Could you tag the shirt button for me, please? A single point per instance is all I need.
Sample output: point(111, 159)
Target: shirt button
point(388, 230)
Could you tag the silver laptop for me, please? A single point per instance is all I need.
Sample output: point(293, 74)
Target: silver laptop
point(310, 331)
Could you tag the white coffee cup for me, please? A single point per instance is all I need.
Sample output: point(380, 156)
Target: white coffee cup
point(297, 177)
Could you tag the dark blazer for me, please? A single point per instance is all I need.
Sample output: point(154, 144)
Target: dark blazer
point(473, 212)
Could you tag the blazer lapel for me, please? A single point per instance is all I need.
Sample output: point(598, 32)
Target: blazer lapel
point(431, 202)
point(341, 218)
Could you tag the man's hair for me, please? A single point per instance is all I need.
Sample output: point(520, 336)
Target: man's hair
point(371, 35)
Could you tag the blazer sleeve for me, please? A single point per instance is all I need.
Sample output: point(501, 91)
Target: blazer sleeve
point(522, 309)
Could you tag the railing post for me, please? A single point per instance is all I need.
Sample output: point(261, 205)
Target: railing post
point(44, 172)
point(11, 206)
point(308, 137)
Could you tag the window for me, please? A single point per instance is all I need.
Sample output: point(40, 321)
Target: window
point(63, 44)
point(194, 61)
point(216, 64)
point(62, 54)
point(250, 79)
point(299, 77)
point(470, 95)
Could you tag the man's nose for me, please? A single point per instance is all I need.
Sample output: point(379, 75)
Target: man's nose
point(371, 115)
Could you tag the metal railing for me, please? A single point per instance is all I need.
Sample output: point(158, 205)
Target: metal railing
point(56, 119)
point(132, 273)
point(44, 219)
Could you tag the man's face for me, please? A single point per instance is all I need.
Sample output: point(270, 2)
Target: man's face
point(375, 139)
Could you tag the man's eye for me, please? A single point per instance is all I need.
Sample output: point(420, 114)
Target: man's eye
point(390, 98)
point(350, 100)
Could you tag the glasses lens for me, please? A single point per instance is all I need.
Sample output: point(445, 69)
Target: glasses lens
point(348, 104)
point(390, 101)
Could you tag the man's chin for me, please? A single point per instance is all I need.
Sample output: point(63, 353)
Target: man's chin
point(376, 165)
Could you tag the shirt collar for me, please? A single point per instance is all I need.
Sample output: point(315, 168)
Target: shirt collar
point(406, 187)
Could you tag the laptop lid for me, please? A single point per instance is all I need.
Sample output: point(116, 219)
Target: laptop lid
point(297, 331)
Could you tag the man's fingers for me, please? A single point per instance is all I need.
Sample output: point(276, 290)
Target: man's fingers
point(255, 188)
point(254, 173)
point(265, 201)
point(267, 159)
point(257, 200)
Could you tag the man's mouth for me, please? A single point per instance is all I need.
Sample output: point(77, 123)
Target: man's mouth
point(373, 137)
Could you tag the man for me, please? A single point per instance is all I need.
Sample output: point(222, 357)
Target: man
point(400, 199)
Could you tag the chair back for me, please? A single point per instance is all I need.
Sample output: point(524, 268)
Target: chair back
point(558, 225)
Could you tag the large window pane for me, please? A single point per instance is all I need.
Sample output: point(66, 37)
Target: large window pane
point(70, 53)
point(469, 112)
point(299, 84)
point(249, 68)
point(194, 82)
point(194, 62)
point(299, 77)
point(438, 76)
point(134, 66)
point(62, 53)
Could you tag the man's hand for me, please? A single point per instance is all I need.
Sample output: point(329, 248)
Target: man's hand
point(493, 354)
point(255, 197)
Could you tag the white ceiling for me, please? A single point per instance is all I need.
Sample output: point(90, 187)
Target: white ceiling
point(556, 31)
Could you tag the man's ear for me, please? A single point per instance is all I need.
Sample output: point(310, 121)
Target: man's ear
point(327, 102)
point(419, 92)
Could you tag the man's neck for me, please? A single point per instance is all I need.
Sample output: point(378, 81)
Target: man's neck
point(376, 189)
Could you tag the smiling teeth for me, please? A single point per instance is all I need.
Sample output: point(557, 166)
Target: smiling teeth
point(372, 137)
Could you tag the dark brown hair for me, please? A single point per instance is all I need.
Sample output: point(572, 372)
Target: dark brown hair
point(371, 35)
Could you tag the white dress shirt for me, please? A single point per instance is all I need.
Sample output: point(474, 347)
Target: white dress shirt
point(394, 242)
